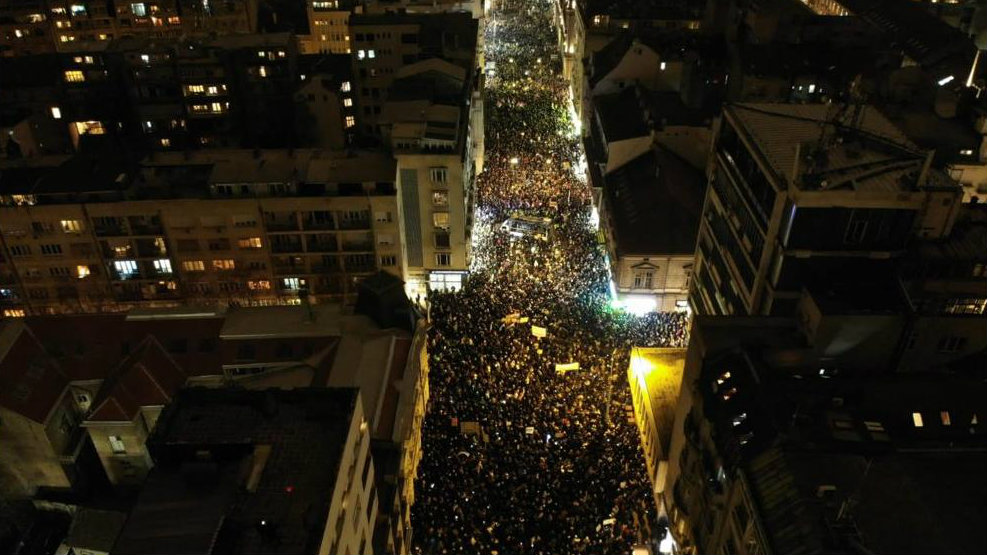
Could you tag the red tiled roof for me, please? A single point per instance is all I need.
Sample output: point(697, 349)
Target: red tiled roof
point(148, 377)
point(90, 346)
point(31, 382)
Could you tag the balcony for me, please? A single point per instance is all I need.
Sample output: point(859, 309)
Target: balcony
point(146, 229)
point(110, 230)
point(363, 224)
point(322, 243)
point(358, 246)
point(285, 247)
point(316, 224)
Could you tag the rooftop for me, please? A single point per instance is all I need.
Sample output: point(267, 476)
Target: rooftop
point(621, 115)
point(660, 370)
point(245, 472)
point(873, 156)
point(795, 432)
point(655, 203)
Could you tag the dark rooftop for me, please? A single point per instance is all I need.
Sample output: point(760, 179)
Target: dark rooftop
point(226, 460)
point(792, 435)
point(621, 115)
point(655, 203)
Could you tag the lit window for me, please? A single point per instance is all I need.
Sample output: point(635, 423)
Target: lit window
point(77, 9)
point(350, 121)
point(194, 89)
point(917, 419)
point(663, 66)
point(194, 266)
point(162, 266)
point(371, 54)
point(125, 268)
point(103, 36)
point(224, 264)
point(89, 127)
point(250, 243)
point(165, 142)
point(18, 33)
point(723, 377)
point(345, 87)
point(82, 270)
point(138, 9)
point(361, 54)
point(944, 418)
point(216, 107)
point(14, 313)
point(71, 226)
point(440, 220)
point(348, 102)
point(74, 76)
point(262, 71)
point(117, 445)
point(966, 152)
point(293, 284)
point(56, 112)
point(145, 58)
point(259, 285)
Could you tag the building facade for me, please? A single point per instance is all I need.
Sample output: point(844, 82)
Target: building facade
point(776, 215)
point(228, 226)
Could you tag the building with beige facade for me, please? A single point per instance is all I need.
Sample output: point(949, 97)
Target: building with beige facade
point(227, 226)
point(655, 376)
point(431, 119)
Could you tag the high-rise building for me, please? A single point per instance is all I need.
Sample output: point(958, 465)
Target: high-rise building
point(804, 190)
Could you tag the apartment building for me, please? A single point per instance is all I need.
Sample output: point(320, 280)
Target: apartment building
point(800, 191)
point(44, 26)
point(233, 226)
point(328, 24)
point(382, 44)
point(288, 471)
point(429, 120)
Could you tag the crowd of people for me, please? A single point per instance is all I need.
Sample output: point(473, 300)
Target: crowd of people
point(521, 457)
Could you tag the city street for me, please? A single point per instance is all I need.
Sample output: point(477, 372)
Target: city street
point(522, 455)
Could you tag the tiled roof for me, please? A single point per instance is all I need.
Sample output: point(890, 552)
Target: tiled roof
point(31, 382)
point(148, 377)
point(655, 201)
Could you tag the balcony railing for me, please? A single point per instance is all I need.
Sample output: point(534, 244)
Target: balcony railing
point(287, 247)
point(313, 225)
point(109, 231)
point(322, 246)
point(281, 225)
point(354, 224)
point(362, 246)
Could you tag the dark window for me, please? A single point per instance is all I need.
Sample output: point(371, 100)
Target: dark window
point(284, 350)
point(207, 345)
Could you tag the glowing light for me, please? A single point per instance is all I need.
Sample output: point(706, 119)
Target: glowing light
point(945, 80)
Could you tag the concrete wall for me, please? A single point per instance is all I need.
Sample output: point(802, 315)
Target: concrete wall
point(131, 467)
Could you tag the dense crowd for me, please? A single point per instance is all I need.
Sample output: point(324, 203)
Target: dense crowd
point(520, 457)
